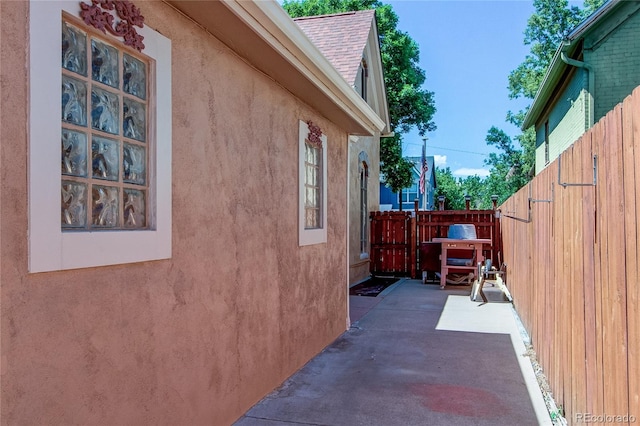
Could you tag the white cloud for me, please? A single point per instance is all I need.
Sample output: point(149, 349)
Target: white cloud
point(464, 172)
point(440, 160)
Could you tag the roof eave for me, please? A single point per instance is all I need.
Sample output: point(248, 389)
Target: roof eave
point(385, 103)
point(592, 19)
point(263, 34)
point(546, 88)
point(557, 66)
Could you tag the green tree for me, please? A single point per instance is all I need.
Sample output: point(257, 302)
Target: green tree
point(451, 188)
point(409, 103)
point(455, 191)
point(546, 28)
point(506, 166)
point(527, 141)
point(591, 6)
point(474, 187)
point(551, 22)
point(397, 172)
point(399, 175)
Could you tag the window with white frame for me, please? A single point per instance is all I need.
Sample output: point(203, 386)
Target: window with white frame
point(312, 155)
point(112, 136)
point(410, 194)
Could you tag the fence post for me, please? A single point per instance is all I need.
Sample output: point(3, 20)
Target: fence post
point(496, 255)
point(494, 202)
point(441, 202)
point(415, 241)
point(412, 243)
point(467, 202)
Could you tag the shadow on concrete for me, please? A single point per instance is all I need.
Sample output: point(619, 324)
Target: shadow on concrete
point(415, 355)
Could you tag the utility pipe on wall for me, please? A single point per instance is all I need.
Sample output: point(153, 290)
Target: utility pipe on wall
point(591, 84)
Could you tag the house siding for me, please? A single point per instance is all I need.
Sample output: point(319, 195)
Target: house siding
point(198, 338)
point(568, 119)
point(614, 53)
point(389, 199)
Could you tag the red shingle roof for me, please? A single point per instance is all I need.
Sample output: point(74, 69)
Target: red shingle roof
point(341, 38)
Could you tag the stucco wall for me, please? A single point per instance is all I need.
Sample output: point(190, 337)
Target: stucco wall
point(359, 266)
point(199, 338)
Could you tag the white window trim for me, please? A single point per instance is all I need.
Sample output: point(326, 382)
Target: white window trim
point(50, 249)
point(311, 236)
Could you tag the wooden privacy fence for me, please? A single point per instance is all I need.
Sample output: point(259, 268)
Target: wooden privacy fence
point(572, 253)
point(396, 236)
point(435, 224)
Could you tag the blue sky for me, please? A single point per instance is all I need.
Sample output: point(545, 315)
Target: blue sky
point(467, 49)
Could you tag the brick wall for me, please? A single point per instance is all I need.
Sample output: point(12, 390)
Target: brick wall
point(614, 52)
point(567, 120)
point(612, 48)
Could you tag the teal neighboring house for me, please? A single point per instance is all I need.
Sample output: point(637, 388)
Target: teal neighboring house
point(594, 69)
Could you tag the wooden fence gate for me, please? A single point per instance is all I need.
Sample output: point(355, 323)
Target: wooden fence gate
point(392, 241)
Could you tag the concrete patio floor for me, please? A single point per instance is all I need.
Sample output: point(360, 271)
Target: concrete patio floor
point(414, 355)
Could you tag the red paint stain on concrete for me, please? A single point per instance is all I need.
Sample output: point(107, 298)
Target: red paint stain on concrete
point(459, 400)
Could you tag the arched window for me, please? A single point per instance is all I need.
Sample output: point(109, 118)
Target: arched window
point(364, 209)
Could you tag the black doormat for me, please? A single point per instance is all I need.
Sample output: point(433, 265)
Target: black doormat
point(372, 287)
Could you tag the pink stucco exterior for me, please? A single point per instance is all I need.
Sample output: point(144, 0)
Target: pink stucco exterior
point(369, 147)
point(199, 338)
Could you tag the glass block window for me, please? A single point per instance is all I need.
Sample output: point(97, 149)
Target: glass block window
point(313, 186)
point(100, 137)
point(105, 128)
